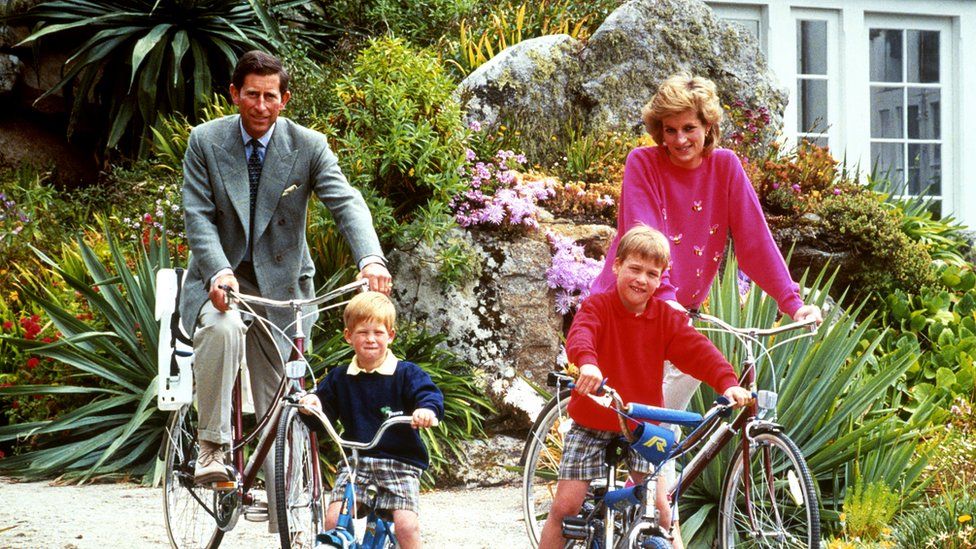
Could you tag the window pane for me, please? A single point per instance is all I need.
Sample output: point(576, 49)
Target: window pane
point(811, 47)
point(924, 169)
point(886, 57)
point(751, 26)
point(888, 162)
point(923, 113)
point(886, 112)
point(811, 109)
point(923, 56)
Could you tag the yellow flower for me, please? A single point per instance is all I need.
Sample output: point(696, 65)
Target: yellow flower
point(13, 296)
point(965, 518)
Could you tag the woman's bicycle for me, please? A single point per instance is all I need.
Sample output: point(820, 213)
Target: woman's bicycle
point(379, 532)
point(197, 516)
point(768, 497)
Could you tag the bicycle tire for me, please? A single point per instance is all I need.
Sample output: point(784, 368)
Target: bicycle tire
point(189, 525)
point(540, 465)
point(298, 489)
point(791, 517)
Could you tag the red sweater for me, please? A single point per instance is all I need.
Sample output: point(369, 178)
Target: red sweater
point(631, 349)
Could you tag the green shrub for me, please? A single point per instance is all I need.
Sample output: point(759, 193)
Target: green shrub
point(399, 138)
point(887, 258)
point(423, 22)
point(943, 322)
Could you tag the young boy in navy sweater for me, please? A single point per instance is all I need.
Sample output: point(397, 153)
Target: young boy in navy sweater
point(624, 336)
point(361, 395)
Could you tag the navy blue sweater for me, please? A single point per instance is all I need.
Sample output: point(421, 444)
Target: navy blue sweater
point(360, 403)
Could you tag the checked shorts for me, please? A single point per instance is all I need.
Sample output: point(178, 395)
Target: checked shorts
point(397, 484)
point(584, 456)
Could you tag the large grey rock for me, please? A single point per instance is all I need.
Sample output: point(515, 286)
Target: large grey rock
point(10, 67)
point(553, 86)
point(504, 321)
point(487, 462)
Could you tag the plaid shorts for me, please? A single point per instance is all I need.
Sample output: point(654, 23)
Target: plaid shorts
point(584, 456)
point(397, 484)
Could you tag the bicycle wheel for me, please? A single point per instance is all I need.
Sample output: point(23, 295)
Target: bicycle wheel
point(768, 499)
point(187, 508)
point(540, 465)
point(298, 490)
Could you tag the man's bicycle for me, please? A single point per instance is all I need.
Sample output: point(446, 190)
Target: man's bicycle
point(197, 516)
point(768, 497)
point(379, 532)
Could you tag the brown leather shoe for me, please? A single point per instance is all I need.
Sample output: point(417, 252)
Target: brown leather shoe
point(210, 464)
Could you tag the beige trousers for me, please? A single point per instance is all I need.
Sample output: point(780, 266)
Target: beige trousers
point(220, 343)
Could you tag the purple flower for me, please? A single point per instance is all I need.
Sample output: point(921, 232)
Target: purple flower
point(469, 155)
point(474, 125)
point(796, 187)
point(836, 191)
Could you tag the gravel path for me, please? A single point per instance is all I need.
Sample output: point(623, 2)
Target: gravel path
point(38, 514)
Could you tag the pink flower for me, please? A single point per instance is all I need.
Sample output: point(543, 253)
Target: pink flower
point(836, 191)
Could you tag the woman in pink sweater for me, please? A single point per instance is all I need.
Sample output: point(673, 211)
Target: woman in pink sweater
point(697, 194)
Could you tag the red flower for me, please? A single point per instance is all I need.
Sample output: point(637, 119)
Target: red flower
point(7, 326)
point(15, 404)
point(2, 455)
point(47, 340)
point(147, 218)
point(32, 362)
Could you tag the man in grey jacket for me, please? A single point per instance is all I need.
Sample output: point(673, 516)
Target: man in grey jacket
point(248, 179)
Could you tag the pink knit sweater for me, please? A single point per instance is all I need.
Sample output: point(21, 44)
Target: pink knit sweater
point(697, 209)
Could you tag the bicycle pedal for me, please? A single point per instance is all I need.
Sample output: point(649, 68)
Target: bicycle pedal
point(224, 486)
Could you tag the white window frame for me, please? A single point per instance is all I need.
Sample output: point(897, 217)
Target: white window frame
point(748, 12)
point(947, 84)
point(835, 122)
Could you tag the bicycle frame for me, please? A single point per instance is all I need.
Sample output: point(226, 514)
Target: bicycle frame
point(292, 380)
point(719, 434)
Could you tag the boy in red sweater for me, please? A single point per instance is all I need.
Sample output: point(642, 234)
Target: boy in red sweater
point(625, 335)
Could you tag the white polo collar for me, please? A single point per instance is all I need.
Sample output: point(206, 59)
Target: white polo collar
point(388, 368)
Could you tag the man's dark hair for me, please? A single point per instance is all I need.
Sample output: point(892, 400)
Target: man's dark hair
point(262, 64)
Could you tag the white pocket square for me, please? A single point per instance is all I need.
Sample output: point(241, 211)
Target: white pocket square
point(289, 190)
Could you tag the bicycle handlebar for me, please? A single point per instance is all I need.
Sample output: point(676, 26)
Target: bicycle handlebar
point(810, 324)
point(362, 284)
point(355, 445)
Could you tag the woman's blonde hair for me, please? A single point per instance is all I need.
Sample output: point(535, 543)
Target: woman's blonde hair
point(680, 93)
point(369, 307)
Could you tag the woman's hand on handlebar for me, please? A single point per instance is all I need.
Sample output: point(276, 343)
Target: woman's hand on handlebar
point(309, 401)
point(808, 312)
point(423, 418)
point(218, 295)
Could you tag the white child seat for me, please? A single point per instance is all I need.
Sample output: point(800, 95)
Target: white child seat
point(175, 352)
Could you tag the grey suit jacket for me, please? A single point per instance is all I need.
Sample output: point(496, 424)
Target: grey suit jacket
point(216, 203)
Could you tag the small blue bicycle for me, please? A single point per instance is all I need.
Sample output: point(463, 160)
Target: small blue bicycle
point(379, 533)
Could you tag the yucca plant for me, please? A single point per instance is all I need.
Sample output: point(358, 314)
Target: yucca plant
point(120, 430)
point(142, 58)
point(831, 390)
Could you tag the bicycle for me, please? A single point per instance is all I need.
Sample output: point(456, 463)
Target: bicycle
point(198, 516)
point(768, 497)
point(379, 532)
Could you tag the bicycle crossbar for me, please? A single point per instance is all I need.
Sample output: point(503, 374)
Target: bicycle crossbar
point(665, 415)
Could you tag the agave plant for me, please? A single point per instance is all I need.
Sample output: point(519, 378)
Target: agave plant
point(143, 58)
point(120, 430)
point(831, 403)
